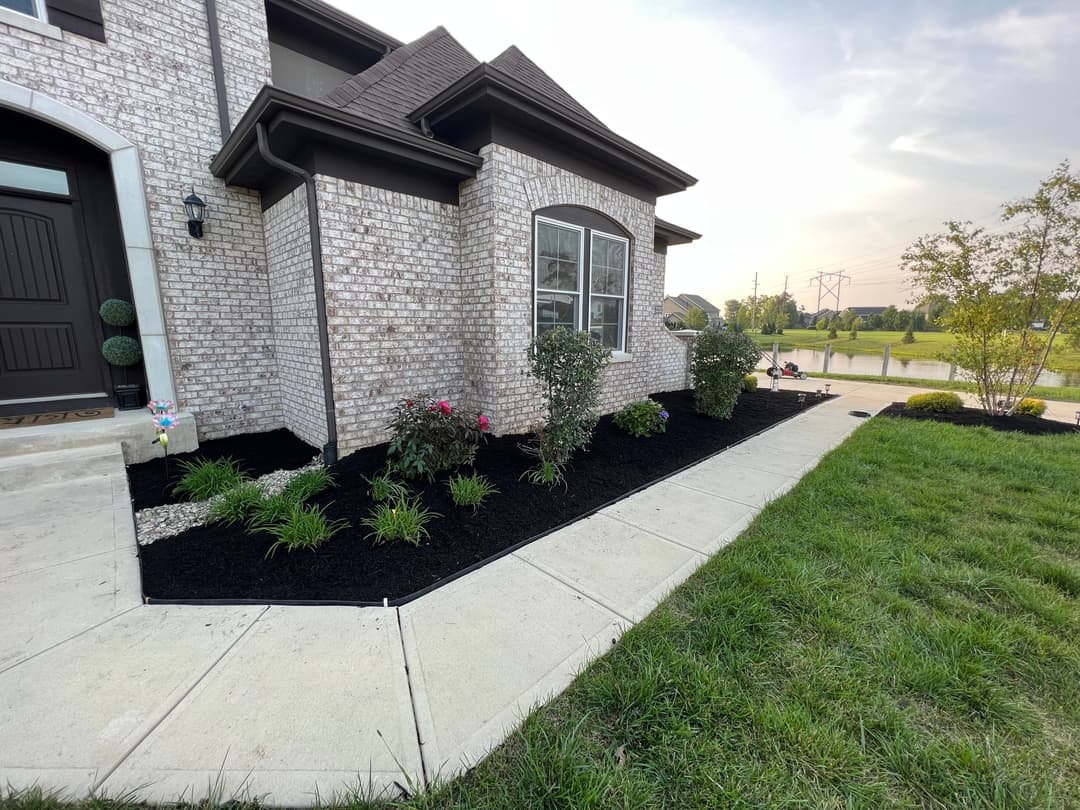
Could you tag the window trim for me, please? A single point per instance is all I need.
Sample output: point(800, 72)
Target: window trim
point(37, 24)
point(625, 319)
point(537, 289)
point(583, 320)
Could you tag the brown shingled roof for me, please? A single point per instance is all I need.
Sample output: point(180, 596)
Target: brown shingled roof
point(518, 66)
point(405, 78)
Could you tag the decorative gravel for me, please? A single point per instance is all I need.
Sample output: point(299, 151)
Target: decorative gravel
point(171, 519)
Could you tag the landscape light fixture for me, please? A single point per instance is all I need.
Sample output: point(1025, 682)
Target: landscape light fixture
point(827, 387)
point(196, 210)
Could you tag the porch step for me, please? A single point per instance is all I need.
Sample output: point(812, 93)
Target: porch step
point(134, 430)
point(30, 470)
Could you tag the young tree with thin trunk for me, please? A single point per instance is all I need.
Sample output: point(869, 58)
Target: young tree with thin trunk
point(996, 285)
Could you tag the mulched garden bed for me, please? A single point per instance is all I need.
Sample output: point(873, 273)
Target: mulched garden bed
point(974, 417)
point(257, 453)
point(216, 562)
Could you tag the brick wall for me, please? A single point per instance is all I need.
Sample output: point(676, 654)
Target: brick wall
point(152, 82)
point(509, 189)
point(295, 328)
point(393, 303)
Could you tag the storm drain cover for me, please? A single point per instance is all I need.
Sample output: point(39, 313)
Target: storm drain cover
point(860, 414)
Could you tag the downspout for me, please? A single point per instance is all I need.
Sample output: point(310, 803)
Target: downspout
point(219, 69)
point(330, 449)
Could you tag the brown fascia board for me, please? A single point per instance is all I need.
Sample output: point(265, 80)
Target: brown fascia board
point(326, 16)
point(488, 82)
point(672, 234)
point(274, 106)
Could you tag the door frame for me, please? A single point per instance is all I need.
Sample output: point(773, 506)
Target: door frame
point(134, 222)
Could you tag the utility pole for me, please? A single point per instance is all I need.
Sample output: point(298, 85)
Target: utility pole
point(829, 284)
point(753, 309)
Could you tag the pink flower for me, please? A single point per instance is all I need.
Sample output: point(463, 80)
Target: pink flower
point(444, 406)
point(433, 409)
point(484, 423)
point(408, 403)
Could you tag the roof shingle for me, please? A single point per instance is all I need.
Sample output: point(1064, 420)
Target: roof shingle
point(518, 66)
point(404, 79)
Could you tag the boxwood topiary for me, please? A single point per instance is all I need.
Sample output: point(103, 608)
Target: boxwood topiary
point(116, 312)
point(749, 383)
point(122, 350)
point(936, 402)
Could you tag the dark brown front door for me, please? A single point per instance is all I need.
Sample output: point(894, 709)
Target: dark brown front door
point(49, 338)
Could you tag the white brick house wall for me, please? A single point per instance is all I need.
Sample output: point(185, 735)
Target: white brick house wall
point(152, 83)
point(295, 324)
point(509, 189)
point(427, 296)
point(393, 303)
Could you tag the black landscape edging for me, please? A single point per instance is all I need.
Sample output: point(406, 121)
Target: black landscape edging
point(403, 600)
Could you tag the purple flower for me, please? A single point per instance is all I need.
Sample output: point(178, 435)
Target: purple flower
point(664, 415)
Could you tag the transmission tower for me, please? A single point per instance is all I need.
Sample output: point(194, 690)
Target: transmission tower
point(829, 284)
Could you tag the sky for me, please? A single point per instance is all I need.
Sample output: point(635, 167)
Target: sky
point(825, 136)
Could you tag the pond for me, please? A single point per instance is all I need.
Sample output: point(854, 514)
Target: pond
point(844, 363)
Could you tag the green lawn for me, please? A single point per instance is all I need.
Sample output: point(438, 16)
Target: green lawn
point(901, 630)
point(927, 345)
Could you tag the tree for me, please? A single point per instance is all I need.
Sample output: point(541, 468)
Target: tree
point(832, 332)
point(909, 335)
point(696, 319)
point(847, 317)
point(890, 319)
point(856, 322)
point(822, 324)
point(731, 310)
point(995, 285)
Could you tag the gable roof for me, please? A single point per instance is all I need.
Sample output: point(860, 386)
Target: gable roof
point(405, 78)
point(699, 302)
point(518, 66)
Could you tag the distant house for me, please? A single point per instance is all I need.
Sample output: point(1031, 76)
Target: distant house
point(866, 312)
point(811, 318)
point(676, 308)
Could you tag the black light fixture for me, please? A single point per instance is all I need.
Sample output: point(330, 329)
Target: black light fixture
point(196, 210)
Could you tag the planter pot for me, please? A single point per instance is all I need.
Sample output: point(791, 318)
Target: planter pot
point(129, 397)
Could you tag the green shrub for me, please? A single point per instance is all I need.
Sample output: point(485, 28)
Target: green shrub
point(720, 365)
point(116, 312)
point(1031, 407)
point(305, 527)
point(404, 520)
point(832, 333)
point(546, 473)
point(121, 350)
point(470, 490)
point(430, 436)
point(936, 402)
point(237, 505)
point(270, 512)
point(749, 383)
point(642, 418)
point(909, 336)
point(567, 364)
point(204, 479)
point(382, 487)
point(308, 484)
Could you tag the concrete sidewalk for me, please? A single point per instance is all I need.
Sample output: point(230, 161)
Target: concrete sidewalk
point(100, 692)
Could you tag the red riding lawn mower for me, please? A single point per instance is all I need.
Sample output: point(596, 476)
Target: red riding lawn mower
point(789, 370)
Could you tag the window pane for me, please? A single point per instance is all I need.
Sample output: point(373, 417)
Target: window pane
point(555, 309)
point(605, 320)
point(608, 266)
point(32, 178)
point(22, 6)
point(558, 262)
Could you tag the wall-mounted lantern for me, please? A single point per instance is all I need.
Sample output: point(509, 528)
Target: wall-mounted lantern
point(196, 210)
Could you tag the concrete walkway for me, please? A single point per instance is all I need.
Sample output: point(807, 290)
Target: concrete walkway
point(99, 692)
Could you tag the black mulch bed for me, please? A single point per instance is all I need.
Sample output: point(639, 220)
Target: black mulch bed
point(974, 417)
point(218, 562)
point(256, 453)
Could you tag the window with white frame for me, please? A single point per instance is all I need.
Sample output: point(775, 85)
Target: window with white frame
point(31, 8)
point(580, 279)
